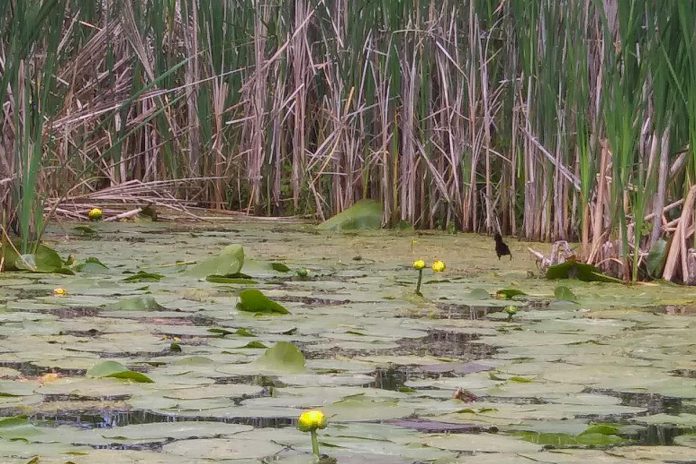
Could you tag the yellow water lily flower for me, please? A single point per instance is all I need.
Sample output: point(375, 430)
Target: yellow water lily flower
point(95, 214)
point(311, 420)
point(60, 291)
point(439, 266)
point(418, 264)
point(48, 378)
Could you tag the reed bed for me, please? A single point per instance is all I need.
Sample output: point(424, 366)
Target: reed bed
point(546, 119)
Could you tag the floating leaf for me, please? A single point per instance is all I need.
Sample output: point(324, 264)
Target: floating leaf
point(363, 215)
point(238, 278)
point(242, 332)
point(283, 357)
point(563, 293)
point(573, 269)
point(229, 261)
point(142, 276)
point(605, 429)
point(252, 300)
point(138, 303)
point(44, 260)
point(116, 370)
point(91, 266)
point(562, 440)
point(280, 267)
point(508, 293)
point(85, 230)
point(479, 294)
point(255, 344)
point(17, 428)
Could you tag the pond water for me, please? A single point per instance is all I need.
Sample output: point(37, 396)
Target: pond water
point(445, 378)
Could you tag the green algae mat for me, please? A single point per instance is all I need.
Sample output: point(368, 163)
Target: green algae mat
point(203, 344)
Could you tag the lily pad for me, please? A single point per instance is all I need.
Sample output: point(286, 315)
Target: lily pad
point(43, 260)
point(509, 293)
point(138, 303)
point(363, 215)
point(573, 269)
point(116, 370)
point(236, 279)
point(283, 357)
point(563, 293)
point(253, 301)
point(142, 276)
point(229, 261)
point(91, 265)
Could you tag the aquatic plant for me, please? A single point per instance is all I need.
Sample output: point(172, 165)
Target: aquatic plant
point(95, 214)
point(438, 266)
point(311, 421)
point(557, 120)
point(511, 310)
point(419, 265)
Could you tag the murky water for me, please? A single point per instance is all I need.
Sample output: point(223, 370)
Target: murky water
point(443, 378)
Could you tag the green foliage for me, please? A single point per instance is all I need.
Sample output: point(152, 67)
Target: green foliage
point(137, 303)
point(228, 262)
point(363, 215)
point(283, 357)
point(91, 265)
point(656, 258)
point(254, 301)
point(563, 293)
point(118, 371)
point(509, 293)
point(142, 276)
point(573, 269)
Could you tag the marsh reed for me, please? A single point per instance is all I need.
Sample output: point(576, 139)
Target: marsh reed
point(546, 119)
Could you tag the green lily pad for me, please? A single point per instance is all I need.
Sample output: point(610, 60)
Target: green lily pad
point(479, 294)
point(236, 279)
point(142, 276)
point(280, 267)
point(363, 407)
point(224, 449)
point(563, 293)
point(509, 293)
point(176, 430)
point(85, 230)
point(242, 332)
point(138, 303)
point(17, 428)
point(363, 215)
point(255, 345)
point(253, 301)
point(91, 265)
point(43, 260)
point(229, 261)
point(116, 370)
point(564, 440)
point(573, 269)
point(283, 357)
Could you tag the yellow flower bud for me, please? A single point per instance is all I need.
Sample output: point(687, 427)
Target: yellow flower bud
point(59, 291)
point(439, 266)
point(95, 214)
point(418, 264)
point(311, 420)
point(511, 310)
